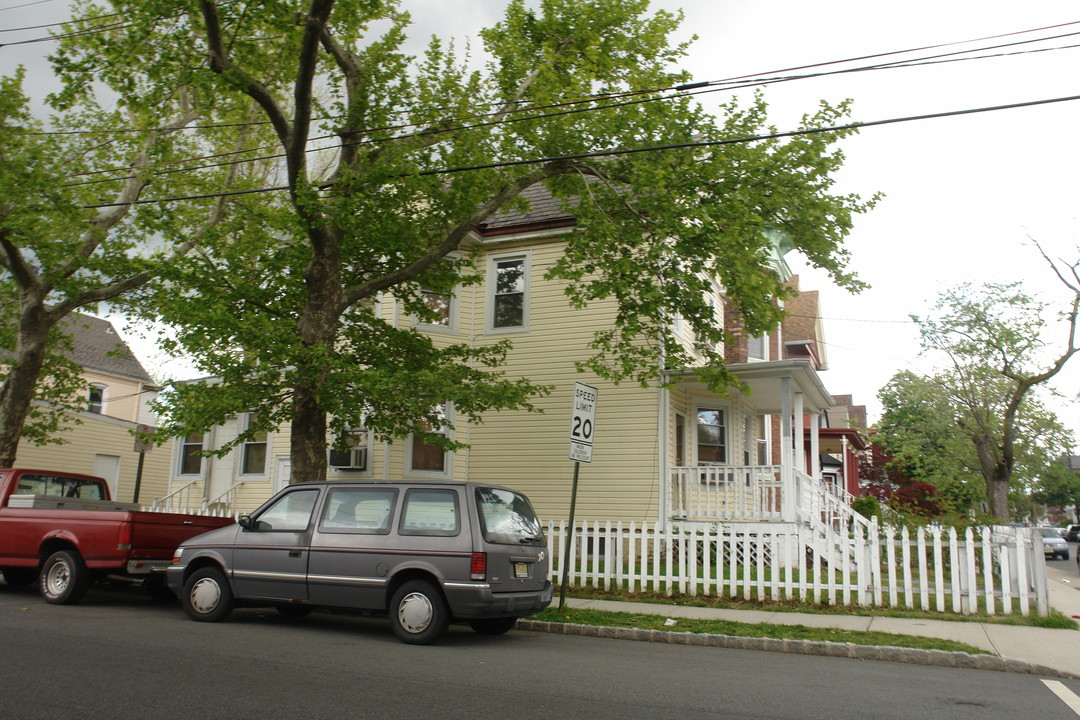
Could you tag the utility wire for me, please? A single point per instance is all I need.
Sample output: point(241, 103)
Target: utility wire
point(767, 81)
point(743, 80)
point(634, 151)
point(16, 7)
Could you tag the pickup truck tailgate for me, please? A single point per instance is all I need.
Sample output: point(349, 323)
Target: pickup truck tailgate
point(157, 535)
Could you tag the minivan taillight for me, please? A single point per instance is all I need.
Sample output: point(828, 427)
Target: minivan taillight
point(478, 567)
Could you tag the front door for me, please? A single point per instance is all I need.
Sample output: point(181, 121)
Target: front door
point(270, 561)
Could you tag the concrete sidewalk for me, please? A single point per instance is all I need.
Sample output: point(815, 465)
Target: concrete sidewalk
point(1034, 650)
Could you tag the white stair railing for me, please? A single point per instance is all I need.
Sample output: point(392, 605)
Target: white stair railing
point(180, 499)
point(226, 501)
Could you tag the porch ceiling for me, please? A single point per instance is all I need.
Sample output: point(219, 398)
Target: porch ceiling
point(763, 379)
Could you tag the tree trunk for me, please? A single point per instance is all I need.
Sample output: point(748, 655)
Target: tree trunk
point(17, 390)
point(308, 443)
point(997, 493)
point(317, 329)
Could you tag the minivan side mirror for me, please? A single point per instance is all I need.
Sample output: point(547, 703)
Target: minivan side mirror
point(245, 522)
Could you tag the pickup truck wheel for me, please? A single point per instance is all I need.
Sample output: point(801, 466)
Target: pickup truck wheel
point(64, 578)
point(418, 613)
point(20, 576)
point(493, 626)
point(207, 596)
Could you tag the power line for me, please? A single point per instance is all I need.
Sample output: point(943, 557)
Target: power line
point(634, 151)
point(59, 24)
point(703, 90)
point(16, 7)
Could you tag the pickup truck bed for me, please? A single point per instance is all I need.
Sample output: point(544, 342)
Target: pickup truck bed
point(67, 533)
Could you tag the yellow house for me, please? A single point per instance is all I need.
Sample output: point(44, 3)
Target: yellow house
point(680, 455)
point(100, 439)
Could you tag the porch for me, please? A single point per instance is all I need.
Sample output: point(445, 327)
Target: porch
point(754, 456)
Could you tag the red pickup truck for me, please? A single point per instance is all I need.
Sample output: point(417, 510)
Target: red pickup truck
point(63, 530)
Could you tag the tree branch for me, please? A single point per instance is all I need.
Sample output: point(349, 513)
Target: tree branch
point(222, 65)
point(455, 236)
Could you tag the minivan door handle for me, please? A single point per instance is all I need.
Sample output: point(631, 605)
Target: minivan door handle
point(295, 553)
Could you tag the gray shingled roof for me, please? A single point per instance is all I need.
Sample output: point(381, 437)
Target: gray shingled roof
point(97, 346)
point(542, 208)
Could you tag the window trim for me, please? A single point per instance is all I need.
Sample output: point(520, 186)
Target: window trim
point(90, 402)
point(448, 456)
point(340, 471)
point(764, 338)
point(264, 473)
point(492, 285)
point(181, 446)
point(451, 326)
point(705, 406)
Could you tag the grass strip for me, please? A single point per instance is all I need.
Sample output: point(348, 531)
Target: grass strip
point(1055, 620)
point(643, 621)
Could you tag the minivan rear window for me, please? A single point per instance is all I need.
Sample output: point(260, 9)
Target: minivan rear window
point(361, 510)
point(507, 517)
point(430, 512)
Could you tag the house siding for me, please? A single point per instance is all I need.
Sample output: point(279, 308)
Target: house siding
point(99, 435)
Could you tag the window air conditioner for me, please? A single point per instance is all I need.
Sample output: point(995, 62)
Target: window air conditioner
point(354, 459)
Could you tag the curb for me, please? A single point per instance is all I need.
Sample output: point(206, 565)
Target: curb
point(886, 653)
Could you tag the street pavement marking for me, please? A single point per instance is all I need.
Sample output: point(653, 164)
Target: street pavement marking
point(1066, 695)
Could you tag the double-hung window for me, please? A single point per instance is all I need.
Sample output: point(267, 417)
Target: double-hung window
point(95, 399)
point(253, 459)
point(712, 436)
point(190, 459)
point(508, 293)
point(757, 348)
point(426, 456)
point(441, 308)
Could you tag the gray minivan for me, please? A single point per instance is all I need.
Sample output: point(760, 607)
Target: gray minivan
point(424, 553)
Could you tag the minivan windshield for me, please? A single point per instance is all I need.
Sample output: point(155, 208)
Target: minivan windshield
point(506, 517)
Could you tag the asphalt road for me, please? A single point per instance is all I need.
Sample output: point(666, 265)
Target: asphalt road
point(119, 656)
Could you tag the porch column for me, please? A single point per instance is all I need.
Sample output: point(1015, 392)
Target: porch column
point(664, 405)
point(800, 434)
point(789, 500)
point(815, 445)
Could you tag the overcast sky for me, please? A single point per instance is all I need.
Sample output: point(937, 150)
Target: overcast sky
point(963, 195)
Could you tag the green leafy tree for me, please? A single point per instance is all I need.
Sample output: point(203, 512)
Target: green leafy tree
point(387, 163)
point(995, 341)
point(1059, 486)
point(61, 246)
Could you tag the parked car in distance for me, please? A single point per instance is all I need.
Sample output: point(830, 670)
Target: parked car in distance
point(423, 553)
point(1072, 533)
point(1053, 544)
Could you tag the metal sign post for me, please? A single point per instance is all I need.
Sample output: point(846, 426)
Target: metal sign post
point(582, 426)
point(142, 446)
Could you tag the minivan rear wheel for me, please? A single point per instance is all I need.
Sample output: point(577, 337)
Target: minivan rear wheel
point(418, 613)
point(493, 626)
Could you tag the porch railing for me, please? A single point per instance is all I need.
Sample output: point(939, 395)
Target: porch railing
point(719, 492)
point(186, 498)
point(828, 505)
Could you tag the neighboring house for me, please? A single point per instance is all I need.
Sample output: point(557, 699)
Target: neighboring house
point(118, 393)
point(677, 455)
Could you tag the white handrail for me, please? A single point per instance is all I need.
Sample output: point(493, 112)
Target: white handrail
point(178, 500)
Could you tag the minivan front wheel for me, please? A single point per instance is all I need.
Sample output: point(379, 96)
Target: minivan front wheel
point(207, 596)
point(418, 613)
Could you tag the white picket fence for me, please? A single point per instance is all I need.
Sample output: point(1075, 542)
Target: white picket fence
point(990, 570)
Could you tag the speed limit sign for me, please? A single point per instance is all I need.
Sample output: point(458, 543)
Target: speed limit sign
point(582, 422)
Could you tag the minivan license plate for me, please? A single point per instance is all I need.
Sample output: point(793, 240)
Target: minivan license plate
point(521, 570)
